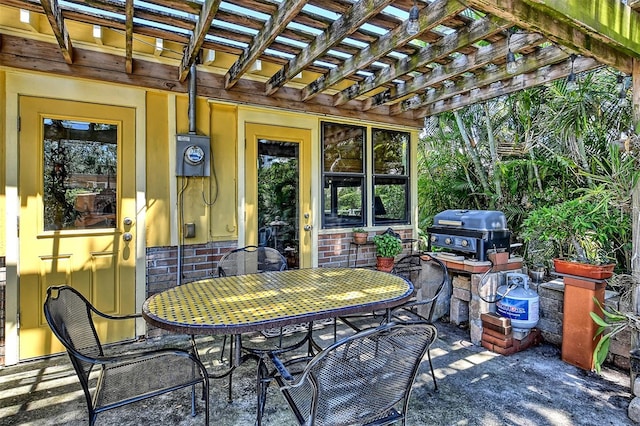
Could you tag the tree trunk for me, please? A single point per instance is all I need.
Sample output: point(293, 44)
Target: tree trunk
point(494, 154)
point(473, 154)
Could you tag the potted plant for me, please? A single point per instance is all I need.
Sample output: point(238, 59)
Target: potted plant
point(582, 233)
point(360, 236)
point(388, 246)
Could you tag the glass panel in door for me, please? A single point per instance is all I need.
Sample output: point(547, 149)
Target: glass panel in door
point(278, 194)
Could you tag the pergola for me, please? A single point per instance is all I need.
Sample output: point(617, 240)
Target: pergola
point(362, 59)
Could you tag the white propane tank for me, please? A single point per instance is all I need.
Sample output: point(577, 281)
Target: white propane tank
point(518, 302)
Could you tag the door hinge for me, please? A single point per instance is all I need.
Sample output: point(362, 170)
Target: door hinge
point(18, 320)
point(19, 124)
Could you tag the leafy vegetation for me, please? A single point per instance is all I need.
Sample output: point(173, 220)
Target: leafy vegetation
point(387, 245)
point(539, 155)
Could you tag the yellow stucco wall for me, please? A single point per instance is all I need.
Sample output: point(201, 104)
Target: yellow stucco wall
point(157, 152)
point(3, 240)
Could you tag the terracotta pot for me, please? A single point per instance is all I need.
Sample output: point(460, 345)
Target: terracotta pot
point(360, 237)
point(586, 270)
point(384, 264)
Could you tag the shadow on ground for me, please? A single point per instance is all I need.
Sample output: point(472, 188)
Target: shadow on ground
point(475, 387)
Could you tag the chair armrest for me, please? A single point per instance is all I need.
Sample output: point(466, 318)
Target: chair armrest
point(116, 317)
point(136, 356)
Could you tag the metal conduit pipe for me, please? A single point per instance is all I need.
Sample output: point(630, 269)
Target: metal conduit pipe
point(192, 98)
point(192, 130)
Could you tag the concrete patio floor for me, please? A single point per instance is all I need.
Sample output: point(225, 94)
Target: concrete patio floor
point(475, 387)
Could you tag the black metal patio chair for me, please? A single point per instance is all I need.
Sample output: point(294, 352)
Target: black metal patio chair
point(429, 277)
point(122, 378)
point(248, 260)
point(364, 379)
point(251, 259)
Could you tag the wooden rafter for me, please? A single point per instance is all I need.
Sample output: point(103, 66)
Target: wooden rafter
point(461, 65)
point(54, 15)
point(432, 53)
point(532, 19)
point(530, 63)
point(432, 16)
point(275, 25)
point(521, 82)
point(340, 28)
point(128, 36)
point(208, 11)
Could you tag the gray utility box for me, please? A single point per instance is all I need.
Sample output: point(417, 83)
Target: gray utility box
point(193, 155)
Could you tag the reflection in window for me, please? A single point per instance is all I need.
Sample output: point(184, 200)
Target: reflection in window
point(346, 202)
point(80, 169)
point(390, 176)
point(343, 175)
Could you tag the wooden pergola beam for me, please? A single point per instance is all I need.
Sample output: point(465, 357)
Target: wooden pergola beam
point(208, 11)
point(438, 50)
point(532, 19)
point(349, 22)
point(540, 58)
point(40, 56)
point(128, 36)
point(463, 64)
point(430, 17)
point(54, 15)
point(287, 10)
point(521, 82)
point(611, 21)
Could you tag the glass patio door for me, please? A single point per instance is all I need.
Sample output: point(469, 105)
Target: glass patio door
point(278, 191)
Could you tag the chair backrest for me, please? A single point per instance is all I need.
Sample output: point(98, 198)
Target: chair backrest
point(69, 315)
point(359, 379)
point(265, 236)
point(428, 275)
point(251, 259)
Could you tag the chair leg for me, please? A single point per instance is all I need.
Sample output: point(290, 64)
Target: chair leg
point(433, 374)
point(262, 384)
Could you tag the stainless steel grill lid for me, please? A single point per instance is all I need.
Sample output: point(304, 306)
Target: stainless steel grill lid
point(470, 232)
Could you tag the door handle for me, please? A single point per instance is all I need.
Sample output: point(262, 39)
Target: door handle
point(127, 221)
point(308, 227)
point(127, 236)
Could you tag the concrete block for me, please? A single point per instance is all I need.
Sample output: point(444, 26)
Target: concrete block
point(459, 311)
point(462, 294)
point(475, 331)
point(461, 281)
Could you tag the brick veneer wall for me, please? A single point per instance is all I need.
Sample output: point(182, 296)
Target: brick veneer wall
point(198, 261)
point(335, 249)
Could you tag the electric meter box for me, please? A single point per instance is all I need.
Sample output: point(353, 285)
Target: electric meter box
point(192, 155)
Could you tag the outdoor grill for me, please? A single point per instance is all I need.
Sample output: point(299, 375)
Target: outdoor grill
point(470, 232)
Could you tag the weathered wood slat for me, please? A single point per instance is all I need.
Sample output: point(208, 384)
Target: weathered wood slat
point(209, 9)
point(521, 82)
point(341, 27)
point(461, 65)
point(527, 17)
point(444, 47)
point(54, 15)
point(44, 57)
point(128, 54)
point(432, 16)
point(274, 26)
point(539, 59)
